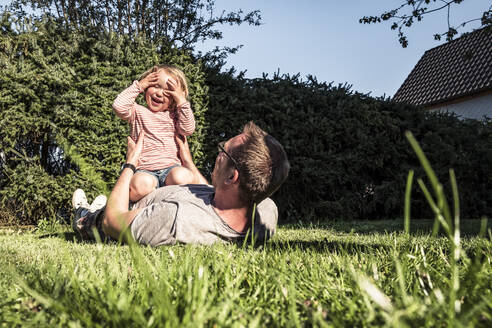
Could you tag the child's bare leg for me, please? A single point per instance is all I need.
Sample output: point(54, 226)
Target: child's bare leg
point(141, 185)
point(180, 175)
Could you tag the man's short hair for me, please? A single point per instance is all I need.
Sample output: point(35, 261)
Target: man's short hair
point(263, 164)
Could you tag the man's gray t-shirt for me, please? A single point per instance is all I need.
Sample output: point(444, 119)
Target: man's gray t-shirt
point(185, 214)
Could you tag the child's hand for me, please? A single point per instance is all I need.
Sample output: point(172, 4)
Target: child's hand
point(149, 80)
point(174, 90)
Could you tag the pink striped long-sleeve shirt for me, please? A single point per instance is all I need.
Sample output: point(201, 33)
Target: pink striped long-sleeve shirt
point(159, 149)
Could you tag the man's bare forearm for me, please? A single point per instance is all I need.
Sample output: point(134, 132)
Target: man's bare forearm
point(198, 177)
point(187, 160)
point(117, 217)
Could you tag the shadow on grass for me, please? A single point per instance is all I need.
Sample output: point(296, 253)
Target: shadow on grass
point(417, 227)
point(67, 235)
point(320, 246)
point(74, 237)
point(326, 246)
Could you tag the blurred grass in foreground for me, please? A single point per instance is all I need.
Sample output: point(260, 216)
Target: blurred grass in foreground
point(340, 274)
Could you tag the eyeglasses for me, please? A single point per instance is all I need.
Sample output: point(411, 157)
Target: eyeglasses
point(221, 149)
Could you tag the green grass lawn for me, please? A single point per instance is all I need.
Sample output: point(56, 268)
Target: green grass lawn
point(339, 274)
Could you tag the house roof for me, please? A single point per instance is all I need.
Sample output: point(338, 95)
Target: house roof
point(461, 67)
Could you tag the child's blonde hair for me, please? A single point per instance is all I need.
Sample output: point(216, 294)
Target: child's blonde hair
point(173, 71)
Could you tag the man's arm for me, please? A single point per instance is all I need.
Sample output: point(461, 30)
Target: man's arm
point(187, 160)
point(117, 217)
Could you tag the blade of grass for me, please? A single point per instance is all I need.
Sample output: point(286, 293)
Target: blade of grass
point(434, 207)
point(456, 201)
point(253, 226)
point(455, 305)
point(442, 203)
point(408, 192)
point(483, 227)
point(401, 280)
point(423, 160)
point(437, 187)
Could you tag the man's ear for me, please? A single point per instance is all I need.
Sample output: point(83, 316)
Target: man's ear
point(232, 177)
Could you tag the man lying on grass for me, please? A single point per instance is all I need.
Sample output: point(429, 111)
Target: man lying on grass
point(248, 169)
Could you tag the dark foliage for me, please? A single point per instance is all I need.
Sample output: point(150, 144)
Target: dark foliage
point(347, 150)
point(57, 128)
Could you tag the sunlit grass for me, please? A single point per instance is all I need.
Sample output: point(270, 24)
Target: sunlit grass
point(342, 274)
point(337, 274)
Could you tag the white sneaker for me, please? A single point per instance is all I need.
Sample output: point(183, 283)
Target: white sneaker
point(98, 203)
point(79, 203)
point(79, 199)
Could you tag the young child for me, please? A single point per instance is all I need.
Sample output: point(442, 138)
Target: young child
point(167, 113)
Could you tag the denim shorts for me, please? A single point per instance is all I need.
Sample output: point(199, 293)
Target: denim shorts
point(160, 175)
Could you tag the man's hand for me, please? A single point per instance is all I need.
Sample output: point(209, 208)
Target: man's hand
point(150, 80)
point(187, 160)
point(134, 149)
point(184, 150)
point(175, 90)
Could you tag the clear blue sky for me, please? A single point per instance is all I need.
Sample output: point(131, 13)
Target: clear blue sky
point(324, 38)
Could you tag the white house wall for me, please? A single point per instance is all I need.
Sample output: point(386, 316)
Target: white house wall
point(475, 108)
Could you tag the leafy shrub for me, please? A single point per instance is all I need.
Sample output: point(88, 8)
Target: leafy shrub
point(57, 127)
point(349, 158)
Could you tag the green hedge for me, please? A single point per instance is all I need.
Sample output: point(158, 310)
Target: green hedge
point(347, 150)
point(348, 155)
point(57, 127)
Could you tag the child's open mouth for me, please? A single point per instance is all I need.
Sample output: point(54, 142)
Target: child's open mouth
point(156, 101)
